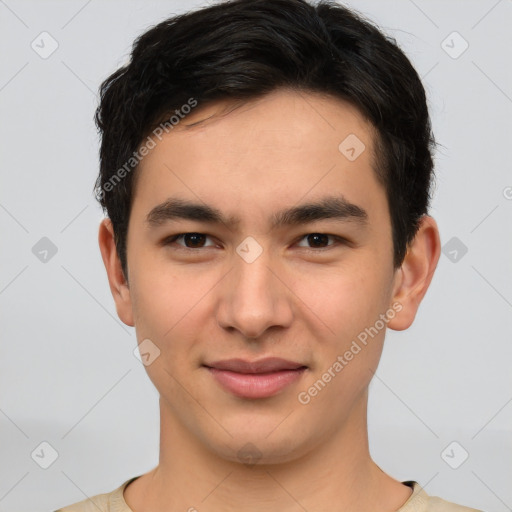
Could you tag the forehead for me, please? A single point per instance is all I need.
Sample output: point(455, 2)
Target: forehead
point(275, 150)
point(293, 114)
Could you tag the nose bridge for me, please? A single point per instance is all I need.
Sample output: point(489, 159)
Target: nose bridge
point(252, 299)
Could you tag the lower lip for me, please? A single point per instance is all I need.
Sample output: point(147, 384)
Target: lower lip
point(253, 385)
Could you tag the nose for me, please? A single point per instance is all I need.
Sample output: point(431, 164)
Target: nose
point(253, 298)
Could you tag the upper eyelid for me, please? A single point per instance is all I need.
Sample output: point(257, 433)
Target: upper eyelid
point(174, 238)
point(336, 238)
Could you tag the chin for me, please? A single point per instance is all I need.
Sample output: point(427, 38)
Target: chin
point(257, 448)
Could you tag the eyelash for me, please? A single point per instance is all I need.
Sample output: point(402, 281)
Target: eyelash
point(338, 241)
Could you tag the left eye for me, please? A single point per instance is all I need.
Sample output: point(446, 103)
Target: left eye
point(318, 240)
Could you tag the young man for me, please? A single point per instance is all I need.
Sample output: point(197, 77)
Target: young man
point(266, 169)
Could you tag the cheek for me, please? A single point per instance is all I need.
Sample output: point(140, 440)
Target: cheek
point(345, 299)
point(161, 304)
point(171, 307)
point(348, 305)
point(166, 310)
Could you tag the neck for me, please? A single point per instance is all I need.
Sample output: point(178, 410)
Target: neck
point(338, 470)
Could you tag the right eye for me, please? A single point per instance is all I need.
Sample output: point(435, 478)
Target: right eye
point(190, 240)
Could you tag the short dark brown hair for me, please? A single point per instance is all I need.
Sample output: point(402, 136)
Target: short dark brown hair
point(243, 49)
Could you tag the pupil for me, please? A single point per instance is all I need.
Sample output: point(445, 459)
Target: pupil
point(196, 239)
point(317, 239)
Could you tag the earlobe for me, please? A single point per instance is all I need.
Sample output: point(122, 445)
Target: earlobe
point(414, 276)
point(116, 279)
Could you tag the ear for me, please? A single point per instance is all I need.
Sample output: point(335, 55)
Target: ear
point(413, 278)
point(118, 284)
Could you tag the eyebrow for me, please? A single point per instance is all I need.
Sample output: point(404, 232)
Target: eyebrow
point(332, 207)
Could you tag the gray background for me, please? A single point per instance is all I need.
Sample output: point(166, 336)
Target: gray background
point(68, 375)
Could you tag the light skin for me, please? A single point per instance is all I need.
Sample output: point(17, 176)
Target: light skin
point(304, 299)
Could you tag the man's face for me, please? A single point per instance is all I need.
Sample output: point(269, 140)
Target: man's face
point(259, 288)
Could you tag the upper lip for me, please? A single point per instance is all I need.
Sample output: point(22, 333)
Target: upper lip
point(269, 364)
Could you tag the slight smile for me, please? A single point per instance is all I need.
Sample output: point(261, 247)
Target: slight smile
point(257, 379)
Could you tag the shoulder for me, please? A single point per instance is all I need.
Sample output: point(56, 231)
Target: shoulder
point(108, 502)
point(420, 501)
point(436, 504)
point(94, 504)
